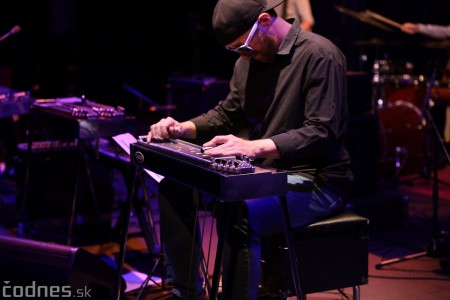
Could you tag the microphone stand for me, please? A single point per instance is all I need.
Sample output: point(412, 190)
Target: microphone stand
point(432, 250)
point(154, 106)
point(14, 30)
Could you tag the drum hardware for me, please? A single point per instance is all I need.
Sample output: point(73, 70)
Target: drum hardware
point(390, 67)
point(399, 153)
point(380, 67)
point(377, 84)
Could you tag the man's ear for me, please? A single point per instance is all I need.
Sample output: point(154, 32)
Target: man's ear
point(265, 20)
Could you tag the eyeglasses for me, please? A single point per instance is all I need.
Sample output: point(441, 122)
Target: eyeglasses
point(245, 48)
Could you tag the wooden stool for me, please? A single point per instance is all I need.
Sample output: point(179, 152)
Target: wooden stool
point(331, 254)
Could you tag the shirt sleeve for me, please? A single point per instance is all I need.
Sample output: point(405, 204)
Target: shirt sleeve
point(435, 31)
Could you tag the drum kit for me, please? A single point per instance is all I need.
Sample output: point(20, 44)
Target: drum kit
point(410, 139)
point(401, 100)
point(398, 101)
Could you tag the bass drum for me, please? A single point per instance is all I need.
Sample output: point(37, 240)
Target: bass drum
point(405, 87)
point(402, 138)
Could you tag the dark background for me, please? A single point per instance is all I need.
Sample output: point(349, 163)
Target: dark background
point(92, 48)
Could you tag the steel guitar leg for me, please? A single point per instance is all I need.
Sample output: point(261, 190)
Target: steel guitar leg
point(124, 235)
point(291, 249)
point(144, 215)
point(221, 236)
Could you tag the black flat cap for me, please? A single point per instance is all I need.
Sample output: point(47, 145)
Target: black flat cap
point(232, 18)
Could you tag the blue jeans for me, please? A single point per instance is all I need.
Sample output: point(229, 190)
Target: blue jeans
point(250, 220)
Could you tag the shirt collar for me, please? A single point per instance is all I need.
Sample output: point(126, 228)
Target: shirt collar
point(291, 37)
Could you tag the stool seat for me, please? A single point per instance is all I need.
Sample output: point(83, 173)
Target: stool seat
point(331, 253)
point(346, 223)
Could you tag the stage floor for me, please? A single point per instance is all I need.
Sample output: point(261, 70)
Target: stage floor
point(416, 279)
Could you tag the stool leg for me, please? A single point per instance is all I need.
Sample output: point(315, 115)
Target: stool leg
point(356, 292)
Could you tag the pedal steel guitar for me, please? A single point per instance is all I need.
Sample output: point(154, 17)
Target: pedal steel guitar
point(225, 178)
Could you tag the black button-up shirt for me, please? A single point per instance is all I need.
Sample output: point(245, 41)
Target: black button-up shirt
point(299, 102)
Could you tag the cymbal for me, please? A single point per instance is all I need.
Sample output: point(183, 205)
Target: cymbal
point(376, 42)
point(363, 16)
point(437, 44)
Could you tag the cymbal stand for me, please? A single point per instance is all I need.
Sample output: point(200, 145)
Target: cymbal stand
point(432, 250)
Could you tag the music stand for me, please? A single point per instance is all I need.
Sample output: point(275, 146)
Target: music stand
point(133, 178)
point(432, 250)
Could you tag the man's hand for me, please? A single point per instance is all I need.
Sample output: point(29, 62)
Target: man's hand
point(410, 28)
point(228, 145)
point(168, 128)
point(165, 129)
